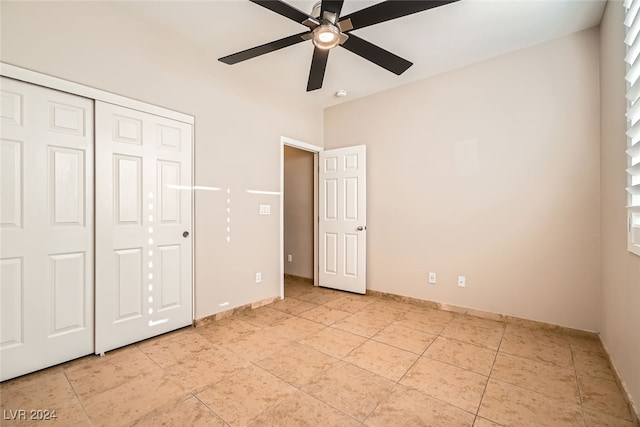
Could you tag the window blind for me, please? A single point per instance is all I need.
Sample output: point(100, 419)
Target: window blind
point(632, 40)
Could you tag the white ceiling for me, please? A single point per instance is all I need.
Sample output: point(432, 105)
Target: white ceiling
point(436, 41)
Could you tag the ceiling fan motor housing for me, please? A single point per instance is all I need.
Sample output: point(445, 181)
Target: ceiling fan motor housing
point(315, 11)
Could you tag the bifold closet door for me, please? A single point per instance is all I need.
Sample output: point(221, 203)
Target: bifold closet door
point(143, 226)
point(46, 228)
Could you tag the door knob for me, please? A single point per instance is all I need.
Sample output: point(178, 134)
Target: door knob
point(361, 228)
point(185, 234)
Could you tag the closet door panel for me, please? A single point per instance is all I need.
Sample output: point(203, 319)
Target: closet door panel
point(143, 226)
point(46, 227)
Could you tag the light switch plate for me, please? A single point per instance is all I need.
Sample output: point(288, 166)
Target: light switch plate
point(265, 209)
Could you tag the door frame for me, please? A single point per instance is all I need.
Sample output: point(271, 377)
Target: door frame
point(45, 80)
point(315, 149)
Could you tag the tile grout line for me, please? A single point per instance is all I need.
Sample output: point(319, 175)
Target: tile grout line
point(77, 397)
point(423, 355)
point(161, 410)
point(339, 359)
point(573, 369)
point(211, 409)
point(135, 346)
point(299, 388)
point(575, 375)
point(386, 395)
point(397, 383)
point(489, 376)
point(428, 357)
point(368, 339)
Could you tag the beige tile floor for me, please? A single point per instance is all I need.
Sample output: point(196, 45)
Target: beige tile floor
point(328, 358)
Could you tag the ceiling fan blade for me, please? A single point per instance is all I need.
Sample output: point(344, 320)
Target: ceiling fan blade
point(284, 9)
point(376, 54)
point(262, 49)
point(331, 6)
point(318, 66)
point(391, 9)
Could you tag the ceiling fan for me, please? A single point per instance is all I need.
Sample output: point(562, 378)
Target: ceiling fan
point(327, 29)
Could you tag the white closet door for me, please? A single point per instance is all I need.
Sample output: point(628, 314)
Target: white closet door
point(46, 227)
point(143, 226)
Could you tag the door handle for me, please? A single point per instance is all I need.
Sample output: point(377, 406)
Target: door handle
point(361, 228)
point(185, 234)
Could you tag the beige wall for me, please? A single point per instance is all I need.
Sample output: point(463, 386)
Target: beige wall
point(298, 212)
point(620, 269)
point(237, 134)
point(518, 214)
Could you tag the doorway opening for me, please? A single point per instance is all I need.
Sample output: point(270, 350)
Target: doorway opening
point(298, 213)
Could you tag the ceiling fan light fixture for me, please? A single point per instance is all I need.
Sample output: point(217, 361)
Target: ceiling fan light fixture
point(327, 28)
point(326, 36)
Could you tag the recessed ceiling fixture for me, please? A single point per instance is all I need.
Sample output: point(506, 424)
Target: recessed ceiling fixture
point(327, 29)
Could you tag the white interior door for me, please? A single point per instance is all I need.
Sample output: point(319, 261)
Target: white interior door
point(143, 226)
point(46, 227)
point(343, 219)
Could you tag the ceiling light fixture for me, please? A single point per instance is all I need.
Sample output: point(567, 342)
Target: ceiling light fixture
point(328, 29)
point(326, 36)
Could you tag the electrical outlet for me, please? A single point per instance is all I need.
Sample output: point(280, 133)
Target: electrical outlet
point(258, 277)
point(432, 278)
point(289, 258)
point(462, 281)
